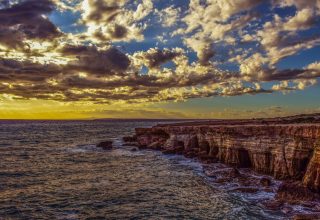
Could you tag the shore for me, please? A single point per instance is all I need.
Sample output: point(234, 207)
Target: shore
point(284, 152)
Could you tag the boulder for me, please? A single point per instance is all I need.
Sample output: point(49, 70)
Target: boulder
point(286, 209)
point(307, 216)
point(272, 204)
point(173, 150)
point(105, 145)
point(157, 145)
point(129, 139)
point(265, 181)
point(294, 192)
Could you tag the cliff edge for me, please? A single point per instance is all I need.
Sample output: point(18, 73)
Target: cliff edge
point(286, 148)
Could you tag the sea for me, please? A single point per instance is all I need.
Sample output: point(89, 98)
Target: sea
point(53, 170)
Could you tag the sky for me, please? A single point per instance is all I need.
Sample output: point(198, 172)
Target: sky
point(89, 59)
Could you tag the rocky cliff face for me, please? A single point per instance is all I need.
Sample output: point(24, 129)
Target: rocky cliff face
point(285, 151)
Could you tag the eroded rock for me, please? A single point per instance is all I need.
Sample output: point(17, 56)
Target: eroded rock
point(265, 181)
point(294, 192)
point(285, 151)
point(307, 216)
point(312, 177)
point(129, 139)
point(105, 145)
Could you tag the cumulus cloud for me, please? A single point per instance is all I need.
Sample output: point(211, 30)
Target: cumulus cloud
point(94, 61)
point(21, 71)
point(279, 37)
point(109, 20)
point(220, 48)
point(209, 22)
point(154, 57)
point(26, 20)
point(169, 16)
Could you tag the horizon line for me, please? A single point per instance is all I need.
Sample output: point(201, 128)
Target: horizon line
point(159, 119)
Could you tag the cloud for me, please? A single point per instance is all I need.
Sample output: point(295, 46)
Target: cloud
point(299, 4)
point(26, 20)
point(303, 20)
point(169, 16)
point(98, 62)
point(314, 66)
point(220, 48)
point(22, 71)
point(110, 20)
point(154, 57)
point(298, 84)
point(203, 48)
point(209, 22)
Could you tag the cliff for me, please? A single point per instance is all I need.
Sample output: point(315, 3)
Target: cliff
point(287, 149)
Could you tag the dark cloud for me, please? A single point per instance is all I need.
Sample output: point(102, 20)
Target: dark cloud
point(17, 71)
point(118, 31)
point(104, 13)
point(156, 57)
point(115, 32)
point(26, 20)
point(290, 74)
point(101, 9)
point(206, 55)
point(97, 62)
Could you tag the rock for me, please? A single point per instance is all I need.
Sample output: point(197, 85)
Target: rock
point(129, 139)
point(155, 145)
point(277, 147)
point(210, 173)
point(227, 173)
point(106, 145)
point(205, 158)
point(286, 209)
point(147, 136)
point(272, 204)
point(134, 149)
point(223, 180)
point(232, 172)
point(312, 177)
point(173, 150)
point(294, 192)
point(189, 154)
point(265, 181)
point(169, 151)
point(307, 216)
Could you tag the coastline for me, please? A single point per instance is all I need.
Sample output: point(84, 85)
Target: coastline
point(286, 149)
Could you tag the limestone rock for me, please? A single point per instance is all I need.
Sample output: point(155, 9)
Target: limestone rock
point(294, 192)
point(265, 181)
point(273, 147)
point(106, 145)
point(129, 139)
point(312, 176)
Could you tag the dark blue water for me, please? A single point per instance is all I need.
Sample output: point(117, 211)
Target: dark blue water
point(52, 170)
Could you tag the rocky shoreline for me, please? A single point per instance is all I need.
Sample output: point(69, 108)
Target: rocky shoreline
point(284, 149)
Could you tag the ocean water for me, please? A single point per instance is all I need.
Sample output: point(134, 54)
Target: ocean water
point(52, 170)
